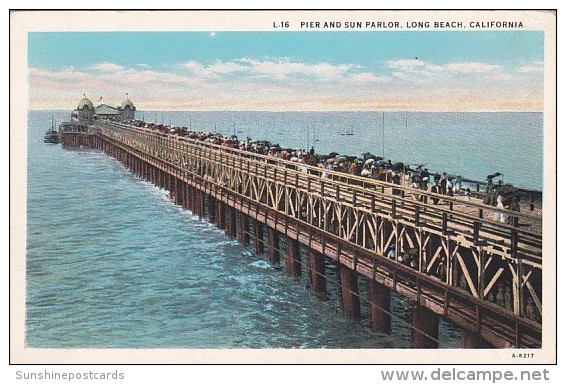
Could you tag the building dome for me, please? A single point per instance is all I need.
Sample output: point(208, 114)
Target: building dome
point(127, 103)
point(85, 103)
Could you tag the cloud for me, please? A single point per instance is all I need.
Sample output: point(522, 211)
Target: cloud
point(406, 64)
point(464, 68)
point(282, 69)
point(107, 67)
point(284, 83)
point(368, 77)
point(451, 76)
point(286, 68)
point(530, 69)
point(428, 68)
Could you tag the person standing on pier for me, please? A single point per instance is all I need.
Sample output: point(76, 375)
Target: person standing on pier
point(443, 183)
point(441, 269)
point(415, 185)
point(500, 216)
point(396, 179)
point(449, 191)
point(467, 196)
point(424, 176)
point(515, 207)
point(458, 183)
point(435, 189)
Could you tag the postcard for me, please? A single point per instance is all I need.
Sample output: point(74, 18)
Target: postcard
point(297, 187)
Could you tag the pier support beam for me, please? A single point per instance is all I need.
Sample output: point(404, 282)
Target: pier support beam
point(220, 214)
point(199, 203)
point(293, 257)
point(317, 271)
point(167, 182)
point(150, 173)
point(134, 167)
point(211, 205)
point(380, 307)
point(195, 202)
point(202, 204)
point(244, 234)
point(258, 243)
point(180, 192)
point(350, 294)
point(424, 333)
point(472, 340)
point(190, 198)
point(185, 193)
point(230, 222)
point(273, 254)
point(137, 167)
point(175, 189)
point(188, 195)
point(146, 174)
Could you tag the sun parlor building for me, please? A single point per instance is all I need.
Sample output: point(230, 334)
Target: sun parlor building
point(86, 112)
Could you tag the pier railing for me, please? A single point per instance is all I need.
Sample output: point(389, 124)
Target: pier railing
point(463, 244)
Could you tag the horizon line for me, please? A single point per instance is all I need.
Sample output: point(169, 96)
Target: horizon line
point(310, 110)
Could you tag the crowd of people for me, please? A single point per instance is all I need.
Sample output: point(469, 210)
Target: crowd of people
point(367, 165)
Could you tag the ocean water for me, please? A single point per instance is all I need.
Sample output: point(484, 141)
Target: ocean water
point(473, 144)
point(112, 263)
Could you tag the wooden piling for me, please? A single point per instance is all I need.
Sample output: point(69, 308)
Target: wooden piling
point(187, 196)
point(424, 333)
point(230, 222)
point(273, 253)
point(317, 271)
point(180, 196)
point(380, 307)
point(350, 295)
point(243, 229)
point(258, 241)
point(220, 214)
point(293, 257)
point(473, 340)
point(174, 189)
point(211, 206)
point(199, 204)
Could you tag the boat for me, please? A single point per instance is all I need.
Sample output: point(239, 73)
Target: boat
point(351, 131)
point(52, 135)
point(348, 132)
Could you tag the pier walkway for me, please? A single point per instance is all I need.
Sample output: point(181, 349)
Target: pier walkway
point(450, 259)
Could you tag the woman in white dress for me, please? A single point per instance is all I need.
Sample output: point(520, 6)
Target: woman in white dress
point(500, 216)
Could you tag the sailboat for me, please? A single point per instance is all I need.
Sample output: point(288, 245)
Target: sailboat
point(349, 132)
point(51, 136)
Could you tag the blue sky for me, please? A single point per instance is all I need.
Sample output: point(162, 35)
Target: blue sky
point(423, 70)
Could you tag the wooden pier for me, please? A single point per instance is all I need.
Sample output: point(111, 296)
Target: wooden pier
point(450, 259)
